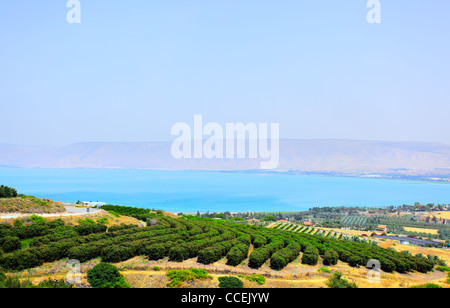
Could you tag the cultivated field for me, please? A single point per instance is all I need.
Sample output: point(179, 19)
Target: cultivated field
point(422, 230)
point(285, 256)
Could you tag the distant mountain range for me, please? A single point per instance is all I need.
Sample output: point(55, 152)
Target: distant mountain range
point(298, 156)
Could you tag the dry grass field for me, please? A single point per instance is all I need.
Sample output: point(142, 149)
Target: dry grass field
point(73, 220)
point(422, 230)
point(30, 205)
point(442, 215)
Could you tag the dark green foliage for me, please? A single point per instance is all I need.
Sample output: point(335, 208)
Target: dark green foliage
point(157, 251)
point(261, 255)
point(387, 265)
point(7, 192)
point(138, 213)
point(354, 261)
point(9, 244)
point(285, 256)
point(186, 238)
point(215, 253)
point(18, 223)
point(237, 254)
point(229, 282)
point(310, 256)
point(259, 241)
point(278, 262)
point(330, 257)
point(105, 276)
point(90, 228)
point(191, 249)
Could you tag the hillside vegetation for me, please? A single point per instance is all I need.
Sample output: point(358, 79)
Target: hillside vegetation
point(29, 205)
point(207, 240)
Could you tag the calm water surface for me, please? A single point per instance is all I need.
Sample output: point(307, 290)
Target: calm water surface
point(190, 191)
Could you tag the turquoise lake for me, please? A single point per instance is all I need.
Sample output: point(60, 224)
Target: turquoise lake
point(191, 191)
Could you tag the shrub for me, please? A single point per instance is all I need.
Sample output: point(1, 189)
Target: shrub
point(103, 220)
point(278, 262)
point(53, 284)
point(237, 254)
point(178, 254)
point(355, 261)
point(255, 278)
point(427, 286)
point(18, 223)
point(324, 270)
point(336, 281)
point(330, 257)
point(86, 222)
point(260, 255)
point(310, 256)
point(9, 244)
point(387, 265)
point(38, 220)
point(443, 268)
point(87, 229)
point(214, 253)
point(284, 256)
point(115, 254)
point(105, 275)
point(259, 241)
point(177, 277)
point(229, 282)
point(156, 251)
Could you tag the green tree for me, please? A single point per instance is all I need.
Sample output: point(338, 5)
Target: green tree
point(106, 276)
point(269, 218)
point(10, 243)
point(330, 257)
point(38, 220)
point(229, 282)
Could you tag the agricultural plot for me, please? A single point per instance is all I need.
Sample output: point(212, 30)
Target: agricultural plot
point(421, 230)
point(177, 240)
point(354, 221)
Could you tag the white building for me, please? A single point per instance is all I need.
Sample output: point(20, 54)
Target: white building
point(90, 203)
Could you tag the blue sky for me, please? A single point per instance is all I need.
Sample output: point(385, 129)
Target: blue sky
point(132, 69)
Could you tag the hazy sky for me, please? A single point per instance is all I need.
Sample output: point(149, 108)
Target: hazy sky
point(132, 69)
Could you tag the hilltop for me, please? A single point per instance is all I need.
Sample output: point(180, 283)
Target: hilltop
point(30, 205)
